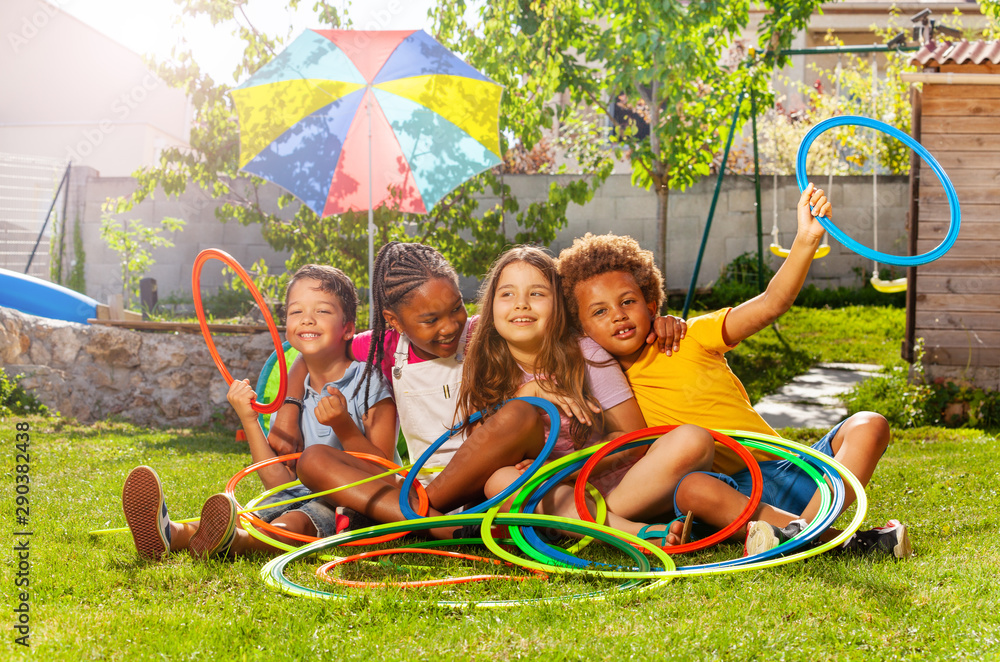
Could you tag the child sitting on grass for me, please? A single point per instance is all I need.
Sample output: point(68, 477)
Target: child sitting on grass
point(321, 306)
point(524, 345)
point(614, 289)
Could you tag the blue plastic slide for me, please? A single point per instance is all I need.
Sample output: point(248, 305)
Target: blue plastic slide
point(44, 299)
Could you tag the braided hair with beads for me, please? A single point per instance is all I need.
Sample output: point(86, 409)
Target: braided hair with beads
point(400, 269)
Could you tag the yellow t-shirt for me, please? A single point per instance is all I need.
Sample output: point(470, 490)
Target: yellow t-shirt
point(695, 385)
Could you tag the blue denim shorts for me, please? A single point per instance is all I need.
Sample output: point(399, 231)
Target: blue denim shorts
point(320, 513)
point(786, 487)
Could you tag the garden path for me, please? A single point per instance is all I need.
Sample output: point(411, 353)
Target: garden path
point(812, 400)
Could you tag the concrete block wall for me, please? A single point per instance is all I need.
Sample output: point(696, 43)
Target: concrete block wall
point(617, 207)
point(172, 269)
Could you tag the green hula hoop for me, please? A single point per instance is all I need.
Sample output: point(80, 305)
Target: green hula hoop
point(273, 571)
point(707, 569)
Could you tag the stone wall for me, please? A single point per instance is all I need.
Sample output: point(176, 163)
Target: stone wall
point(157, 379)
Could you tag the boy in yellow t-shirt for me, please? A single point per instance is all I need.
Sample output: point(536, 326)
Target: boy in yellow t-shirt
point(613, 289)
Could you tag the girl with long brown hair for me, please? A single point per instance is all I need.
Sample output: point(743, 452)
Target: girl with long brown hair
point(524, 345)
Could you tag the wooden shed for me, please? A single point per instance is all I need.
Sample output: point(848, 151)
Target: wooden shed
point(953, 303)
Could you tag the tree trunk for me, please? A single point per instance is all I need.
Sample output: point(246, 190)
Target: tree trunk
point(662, 198)
point(661, 182)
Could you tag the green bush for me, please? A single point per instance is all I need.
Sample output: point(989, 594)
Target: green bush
point(15, 401)
point(892, 395)
point(908, 404)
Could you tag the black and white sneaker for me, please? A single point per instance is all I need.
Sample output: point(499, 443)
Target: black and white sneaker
point(890, 539)
point(146, 513)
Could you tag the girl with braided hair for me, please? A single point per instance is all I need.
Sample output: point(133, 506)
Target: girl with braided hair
point(417, 344)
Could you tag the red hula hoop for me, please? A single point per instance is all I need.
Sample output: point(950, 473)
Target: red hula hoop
point(423, 503)
point(579, 490)
point(229, 260)
point(323, 570)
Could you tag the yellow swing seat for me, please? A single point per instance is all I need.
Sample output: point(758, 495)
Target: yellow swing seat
point(889, 286)
point(822, 251)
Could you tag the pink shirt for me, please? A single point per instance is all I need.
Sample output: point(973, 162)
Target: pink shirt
point(362, 343)
point(609, 386)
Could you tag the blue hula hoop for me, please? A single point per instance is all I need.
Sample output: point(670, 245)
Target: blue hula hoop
point(898, 260)
point(550, 443)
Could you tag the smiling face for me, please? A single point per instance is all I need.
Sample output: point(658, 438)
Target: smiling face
point(614, 314)
point(315, 323)
point(432, 318)
point(522, 308)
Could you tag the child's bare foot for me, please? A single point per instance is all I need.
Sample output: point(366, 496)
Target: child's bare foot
point(146, 513)
point(216, 528)
point(666, 535)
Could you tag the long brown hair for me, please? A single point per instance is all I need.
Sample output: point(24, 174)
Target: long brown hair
point(490, 375)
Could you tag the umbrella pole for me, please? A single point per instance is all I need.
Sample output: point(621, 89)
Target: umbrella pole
point(371, 218)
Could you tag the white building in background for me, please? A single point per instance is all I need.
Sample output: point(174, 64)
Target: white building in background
point(71, 93)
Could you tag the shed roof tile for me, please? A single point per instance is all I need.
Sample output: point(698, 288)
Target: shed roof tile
point(958, 52)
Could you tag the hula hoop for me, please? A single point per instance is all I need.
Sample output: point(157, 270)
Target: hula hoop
point(273, 571)
point(777, 556)
point(423, 503)
point(526, 538)
point(550, 443)
point(831, 500)
point(529, 542)
point(227, 259)
point(899, 260)
point(739, 565)
point(323, 571)
point(648, 436)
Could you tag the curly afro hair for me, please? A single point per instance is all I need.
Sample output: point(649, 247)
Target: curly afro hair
point(593, 255)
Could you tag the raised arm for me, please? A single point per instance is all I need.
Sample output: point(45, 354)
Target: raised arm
point(285, 436)
point(239, 396)
point(750, 317)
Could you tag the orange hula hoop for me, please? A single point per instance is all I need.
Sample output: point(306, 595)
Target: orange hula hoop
point(423, 503)
point(229, 260)
point(579, 489)
point(323, 571)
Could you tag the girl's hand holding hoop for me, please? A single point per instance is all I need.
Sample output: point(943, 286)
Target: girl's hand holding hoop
point(812, 204)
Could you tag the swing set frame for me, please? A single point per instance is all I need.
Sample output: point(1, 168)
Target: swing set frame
point(821, 50)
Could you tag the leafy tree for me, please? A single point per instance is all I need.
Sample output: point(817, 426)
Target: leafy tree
point(684, 63)
point(134, 242)
point(77, 272)
point(469, 243)
point(675, 64)
point(991, 10)
point(850, 150)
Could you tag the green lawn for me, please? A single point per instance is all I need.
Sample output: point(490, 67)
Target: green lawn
point(804, 337)
point(93, 599)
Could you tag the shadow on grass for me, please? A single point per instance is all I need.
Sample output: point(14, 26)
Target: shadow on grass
point(201, 442)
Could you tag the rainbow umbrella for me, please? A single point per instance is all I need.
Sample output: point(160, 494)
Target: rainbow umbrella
point(348, 120)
